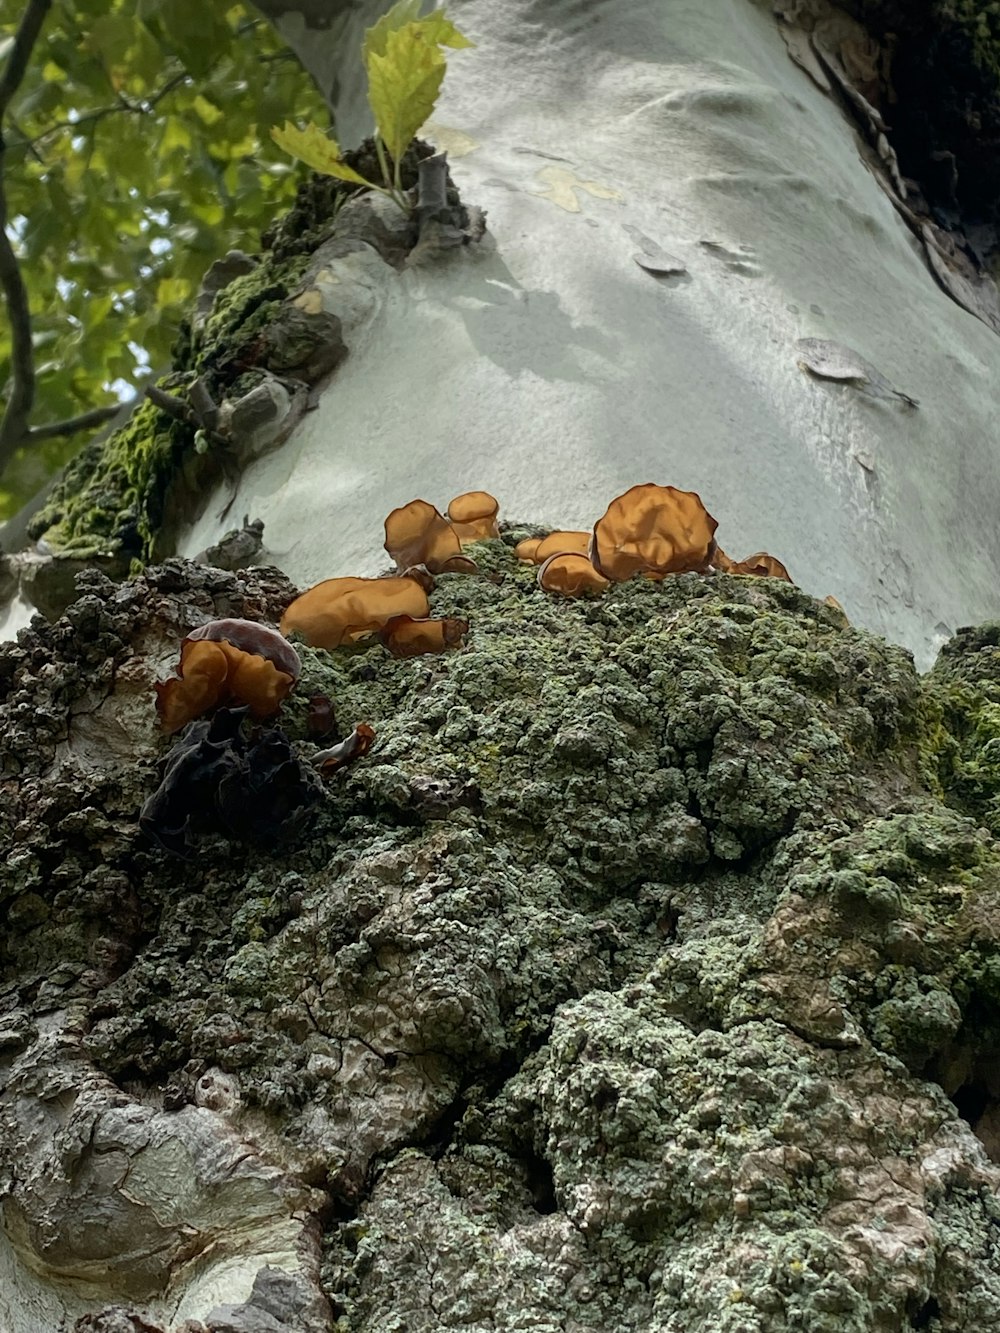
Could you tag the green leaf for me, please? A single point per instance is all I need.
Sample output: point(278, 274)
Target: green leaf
point(440, 30)
point(171, 291)
point(403, 86)
point(312, 147)
point(403, 12)
point(436, 28)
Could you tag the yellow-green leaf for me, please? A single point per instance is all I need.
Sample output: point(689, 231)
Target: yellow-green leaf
point(435, 27)
point(172, 291)
point(205, 111)
point(403, 86)
point(440, 30)
point(403, 12)
point(312, 147)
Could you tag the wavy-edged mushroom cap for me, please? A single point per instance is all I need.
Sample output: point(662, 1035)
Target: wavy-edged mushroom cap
point(336, 610)
point(250, 636)
point(232, 662)
point(655, 528)
point(473, 516)
point(406, 636)
point(198, 686)
point(759, 564)
point(417, 534)
point(571, 574)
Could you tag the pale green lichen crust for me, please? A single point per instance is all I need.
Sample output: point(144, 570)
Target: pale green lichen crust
point(639, 979)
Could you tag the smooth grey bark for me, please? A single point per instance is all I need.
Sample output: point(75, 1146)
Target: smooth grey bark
point(723, 136)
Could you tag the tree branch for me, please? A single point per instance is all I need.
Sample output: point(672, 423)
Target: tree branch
point(14, 425)
point(71, 425)
point(24, 43)
point(14, 428)
point(22, 393)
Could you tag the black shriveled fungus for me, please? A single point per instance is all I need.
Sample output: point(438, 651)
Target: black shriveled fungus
point(215, 779)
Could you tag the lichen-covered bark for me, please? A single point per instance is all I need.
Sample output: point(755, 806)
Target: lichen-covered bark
point(644, 976)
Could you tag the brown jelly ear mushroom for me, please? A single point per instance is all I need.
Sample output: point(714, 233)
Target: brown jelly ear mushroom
point(474, 516)
point(556, 543)
point(354, 746)
point(759, 564)
point(196, 688)
point(404, 636)
point(656, 529)
point(336, 610)
point(252, 637)
point(228, 661)
point(570, 574)
point(417, 534)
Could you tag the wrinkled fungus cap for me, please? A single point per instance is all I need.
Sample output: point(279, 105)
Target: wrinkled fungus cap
point(653, 528)
point(405, 636)
point(225, 662)
point(571, 574)
point(417, 534)
point(338, 610)
point(473, 516)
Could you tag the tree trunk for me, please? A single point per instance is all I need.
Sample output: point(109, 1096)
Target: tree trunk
point(552, 368)
point(644, 976)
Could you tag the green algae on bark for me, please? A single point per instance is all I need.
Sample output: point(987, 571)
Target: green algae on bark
point(620, 987)
point(109, 502)
point(963, 702)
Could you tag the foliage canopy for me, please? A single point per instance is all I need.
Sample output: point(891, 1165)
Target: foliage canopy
point(138, 150)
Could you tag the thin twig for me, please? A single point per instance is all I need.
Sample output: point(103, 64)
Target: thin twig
point(169, 402)
point(95, 417)
point(143, 107)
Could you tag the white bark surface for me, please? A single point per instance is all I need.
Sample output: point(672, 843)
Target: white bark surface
point(548, 367)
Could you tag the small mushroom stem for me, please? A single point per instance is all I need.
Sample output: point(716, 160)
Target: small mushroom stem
point(432, 188)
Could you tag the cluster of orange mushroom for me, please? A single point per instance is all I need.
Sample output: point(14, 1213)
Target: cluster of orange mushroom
point(422, 542)
point(650, 530)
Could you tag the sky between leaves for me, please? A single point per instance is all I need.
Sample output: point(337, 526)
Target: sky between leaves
point(139, 150)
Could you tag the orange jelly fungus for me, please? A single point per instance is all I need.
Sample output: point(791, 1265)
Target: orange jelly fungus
point(539, 549)
point(339, 610)
point(571, 574)
point(405, 636)
point(473, 516)
point(417, 534)
point(228, 662)
point(653, 529)
point(759, 564)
